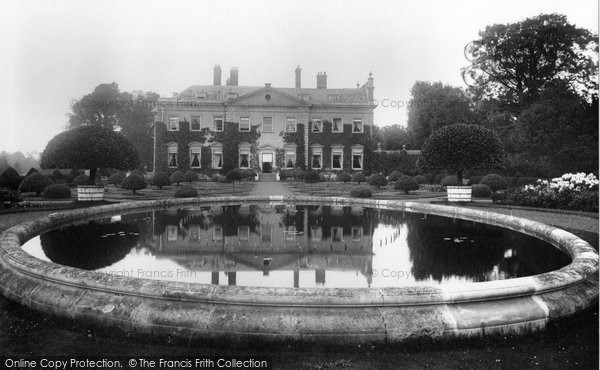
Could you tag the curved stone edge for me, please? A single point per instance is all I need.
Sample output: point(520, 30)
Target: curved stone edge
point(342, 315)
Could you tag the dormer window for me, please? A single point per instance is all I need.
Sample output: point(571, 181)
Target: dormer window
point(304, 97)
point(333, 98)
point(202, 95)
point(232, 95)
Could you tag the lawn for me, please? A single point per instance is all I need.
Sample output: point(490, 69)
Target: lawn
point(337, 189)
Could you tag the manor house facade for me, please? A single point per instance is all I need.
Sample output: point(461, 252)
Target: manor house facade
point(211, 127)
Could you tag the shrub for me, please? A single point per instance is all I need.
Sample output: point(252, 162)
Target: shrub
point(420, 179)
point(394, 176)
point(378, 180)
point(186, 192)
point(81, 180)
point(116, 179)
point(134, 182)
point(449, 181)
point(190, 176)
point(233, 176)
point(461, 147)
point(361, 191)
point(437, 178)
point(252, 174)
point(31, 171)
point(10, 178)
point(495, 182)
point(215, 177)
point(8, 197)
point(299, 174)
point(481, 191)
point(57, 191)
point(406, 184)
point(359, 177)
point(311, 177)
point(177, 177)
point(474, 180)
point(344, 177)
point(57, 175)
point(35, 183)
point(160, 179)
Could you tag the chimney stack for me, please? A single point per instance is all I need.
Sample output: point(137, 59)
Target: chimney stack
point(298, 77)
point(322, 80)
point(370, 87)
point(233, 77)
point(217, 75)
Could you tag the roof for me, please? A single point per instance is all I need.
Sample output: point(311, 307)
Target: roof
point(315, 96)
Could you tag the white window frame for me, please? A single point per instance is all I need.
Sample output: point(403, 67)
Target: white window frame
point(319, 152)
point(263, 125)
point(362, 126)
point(218, 119)
point(291, 153)
point(341, 128)
point(340, 151)
point(337, 230)
point(173, 123)
point(192, 123)
point(357, 233)
point(240, 125)
point(246, 152)
point(320, 126)
point(243, 233)
point(215, 151)
point(287, 121)
point(196, 151)
point(172, 149)
point(359, 152)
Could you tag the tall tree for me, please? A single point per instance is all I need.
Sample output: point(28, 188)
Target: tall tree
point(104, 107)
point(513, 63)
point(434, 105)
point(136, 124)
point(395, 137)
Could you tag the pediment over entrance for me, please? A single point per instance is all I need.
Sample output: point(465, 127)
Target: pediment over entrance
point(268, 147)
point(266, 97)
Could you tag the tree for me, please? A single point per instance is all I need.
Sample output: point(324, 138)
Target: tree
point(359, 177)
point(190, 176)
point(90, 147)
point(461, 147)
point(160, 179)
point(103, 107)
point(233, 176)
point(177, 177)
point(378, 180)
point(311, 177)
point(513, 63)
point(434, 105)
point(394, 137)
point(10, 178)
point(134, 182)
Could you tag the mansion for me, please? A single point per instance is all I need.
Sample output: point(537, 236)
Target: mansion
point(212, 128)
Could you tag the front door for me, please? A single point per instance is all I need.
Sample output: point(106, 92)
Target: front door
point(267, 162)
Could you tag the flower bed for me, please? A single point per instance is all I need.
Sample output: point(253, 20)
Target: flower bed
point(577, 191)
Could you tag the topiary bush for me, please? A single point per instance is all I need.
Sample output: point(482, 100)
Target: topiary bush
point(361, 191)
point(190, 176)
point(57, 191)
point(481, 191)
point(394, 176)
point(378, 180)
point(299, 174)
point(420, 179)
point(495, 182)
point(450, 180)
point(406, 184)
point(116, 179)
point(233, 176)
point(344, 177)
point(134, 182)
point(215, 177)
point(35, 183)
point(186, 192)
point(474, 180)
point(311, 177)
point(460, 148)
point(359, 177)
point(10, 178)
point(177, 177)
point(160, 179)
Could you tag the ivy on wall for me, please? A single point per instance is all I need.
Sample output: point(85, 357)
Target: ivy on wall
point(298, 139)
point(231, 137)
point(182, 137)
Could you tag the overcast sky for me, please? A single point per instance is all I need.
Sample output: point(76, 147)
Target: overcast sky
point(56, 51)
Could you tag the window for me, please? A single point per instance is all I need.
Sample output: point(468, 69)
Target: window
point(195, 149)
point(357, 159)
point(217, 157)
point(317, 125)
point(173, 123)
point(217, 232)
point(290, 234)
point(218, 124)
point(356, 234)
point(336, 234)
point(244, 159)
point(265, 232)
point(317, 158)
point(243, 233)
point(245, 124)
point(337, 158)
point(290, 124)
point(290, 158)
point(171, 233)
point(172, 155)
point(337, 126)
point(267, 125)
point(357, 125)
point(316, 233)
point(195, 125)
point(231, 95)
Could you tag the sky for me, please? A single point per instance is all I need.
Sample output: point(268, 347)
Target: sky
point(57, 51)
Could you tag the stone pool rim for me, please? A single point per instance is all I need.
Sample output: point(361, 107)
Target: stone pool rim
point(203, 310)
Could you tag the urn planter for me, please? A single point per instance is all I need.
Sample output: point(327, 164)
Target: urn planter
point(459, 193)
point(87, 193)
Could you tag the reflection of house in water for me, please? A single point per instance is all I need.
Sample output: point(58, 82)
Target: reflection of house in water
point(290, 238)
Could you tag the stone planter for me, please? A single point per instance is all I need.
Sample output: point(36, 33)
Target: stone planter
point(459, 193)
point(87, 193)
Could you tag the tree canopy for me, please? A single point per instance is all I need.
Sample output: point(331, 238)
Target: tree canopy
point(513, 63)
point(461, 147)
point(90, 147)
